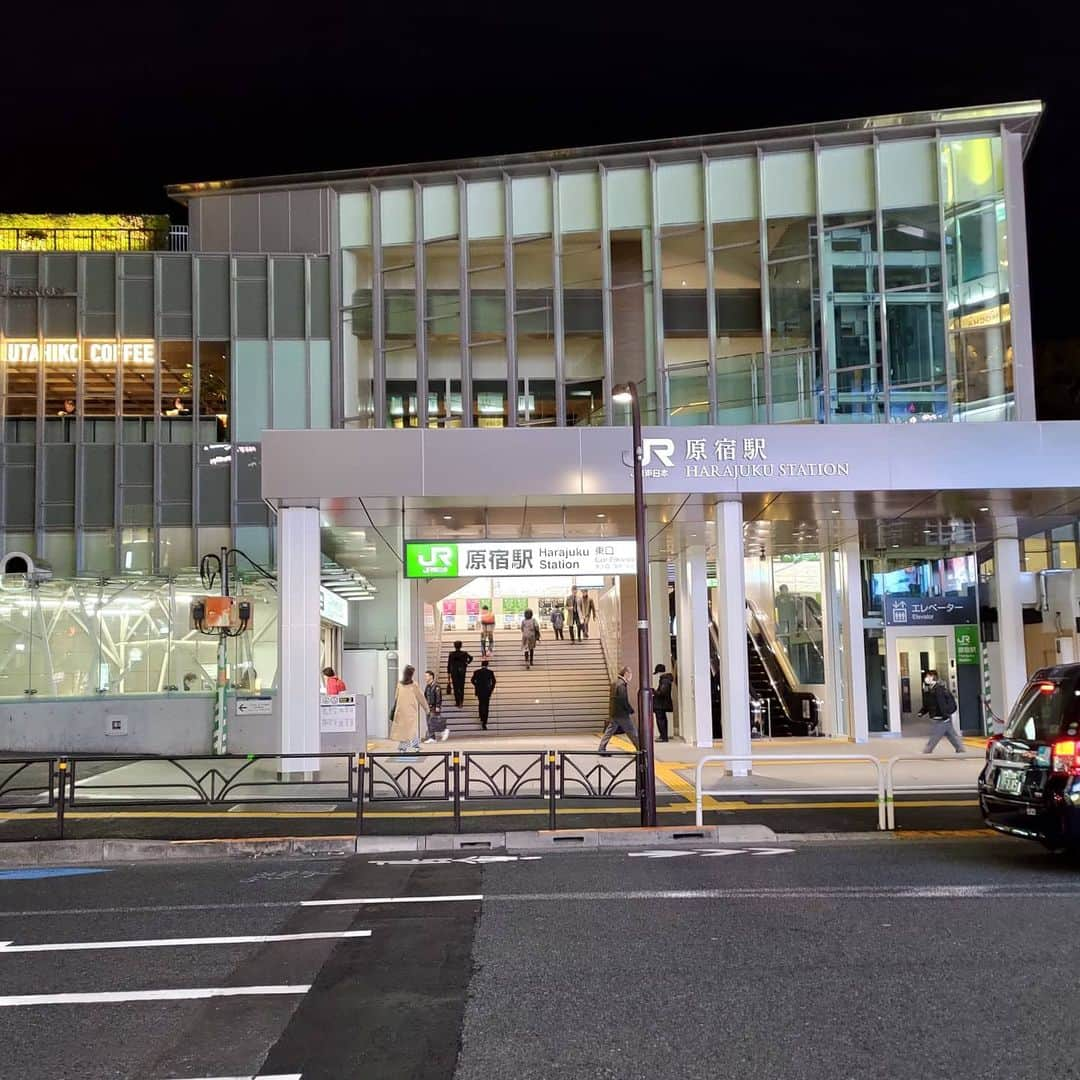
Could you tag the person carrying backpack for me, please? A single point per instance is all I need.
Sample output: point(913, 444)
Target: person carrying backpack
point(940, 705)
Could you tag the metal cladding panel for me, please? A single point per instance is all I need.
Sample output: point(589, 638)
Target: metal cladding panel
point(273, 221)
point(501, 462)
point(306, 465)
point(214, 223)
point(307, 220)
point(301, 465)
point(244, 222)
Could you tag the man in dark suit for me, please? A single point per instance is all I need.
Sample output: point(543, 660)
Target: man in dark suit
point(622, 713)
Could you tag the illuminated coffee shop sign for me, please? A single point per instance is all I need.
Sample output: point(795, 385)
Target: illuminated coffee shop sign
point(71, 353)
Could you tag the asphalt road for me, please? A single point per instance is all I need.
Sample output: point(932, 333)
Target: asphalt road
point(891, 958)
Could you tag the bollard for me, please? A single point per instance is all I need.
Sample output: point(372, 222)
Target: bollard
point(457, 791)
point(61, 768)
point(551, 788)
point(361, 761)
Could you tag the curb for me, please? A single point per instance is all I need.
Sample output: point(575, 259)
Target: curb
point(69, 852)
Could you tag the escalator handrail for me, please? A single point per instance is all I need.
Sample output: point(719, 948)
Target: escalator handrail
point(780, 656)
point(782, 698)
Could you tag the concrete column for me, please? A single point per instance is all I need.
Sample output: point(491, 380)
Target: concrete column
point(853, 652)
point(410, 627)
point(1011, 648)
point(659, 624)
point(695, 698)
point(730, 612)
point(298, 633)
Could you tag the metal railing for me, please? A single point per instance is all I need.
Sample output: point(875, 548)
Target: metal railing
point(542, 777)
point(885, 789)
point(878, 790)
point(922, 789)
point(451, 778)
point(171, 238)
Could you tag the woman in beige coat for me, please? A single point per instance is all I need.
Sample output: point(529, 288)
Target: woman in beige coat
point(409, 704)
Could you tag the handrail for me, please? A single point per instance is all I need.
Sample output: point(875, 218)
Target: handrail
point(768, 674)
point(827, 759)
point(921, 789)
point(781, 655)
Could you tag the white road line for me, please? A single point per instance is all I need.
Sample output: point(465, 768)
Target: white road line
point(150, 995)
point(7, 947)
point(899, 892)
point(390, 900)
point(257, 1076)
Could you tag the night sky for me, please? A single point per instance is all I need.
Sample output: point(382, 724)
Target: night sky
point(103, 105)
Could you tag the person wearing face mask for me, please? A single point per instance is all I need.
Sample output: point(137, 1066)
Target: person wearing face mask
point(939, 704)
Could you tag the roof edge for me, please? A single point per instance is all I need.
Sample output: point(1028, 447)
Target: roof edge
point(1021, 116)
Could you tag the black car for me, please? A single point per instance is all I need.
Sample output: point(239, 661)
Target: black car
point(1030, 785)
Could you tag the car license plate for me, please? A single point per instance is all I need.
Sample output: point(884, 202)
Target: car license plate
point(1010, 781)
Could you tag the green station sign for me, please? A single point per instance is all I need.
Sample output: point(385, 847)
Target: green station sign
point(967, 644)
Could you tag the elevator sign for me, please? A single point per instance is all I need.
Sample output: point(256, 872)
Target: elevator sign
point(525, 559)
point(906, 609)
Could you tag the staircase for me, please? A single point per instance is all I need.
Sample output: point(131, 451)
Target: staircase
point(565, 692)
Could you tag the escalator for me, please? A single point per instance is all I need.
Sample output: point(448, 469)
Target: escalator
point(782, 708)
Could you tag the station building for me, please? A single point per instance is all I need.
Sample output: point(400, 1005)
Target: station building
point(392, 388)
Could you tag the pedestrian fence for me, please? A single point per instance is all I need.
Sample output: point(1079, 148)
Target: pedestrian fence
point(445, 780)
point(884, 788)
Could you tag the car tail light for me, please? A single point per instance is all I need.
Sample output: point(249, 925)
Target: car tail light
point(1047, 687)
point(990, 745)
point(1065, 759)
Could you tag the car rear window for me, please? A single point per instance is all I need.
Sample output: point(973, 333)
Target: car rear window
point(1040, 716)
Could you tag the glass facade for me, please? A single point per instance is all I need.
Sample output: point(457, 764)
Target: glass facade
point(83, 637)
point(136, 388)
point(857, 283)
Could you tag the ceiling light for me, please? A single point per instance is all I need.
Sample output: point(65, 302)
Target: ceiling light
point(912, 230)
point(983, 509)
point(836, 511)
point(448, 517)
point(601, 515)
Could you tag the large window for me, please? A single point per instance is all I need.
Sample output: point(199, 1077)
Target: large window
point(740, 379)
point(979, 324)
point(850, 280)
point(442, 321)
point(399, 327)
point(534, 330)
point(916, 338)
point(84, 637)
point(487, 326)
point(793, 328)
point(583, 320)
point(686, 332)
point(359, 389)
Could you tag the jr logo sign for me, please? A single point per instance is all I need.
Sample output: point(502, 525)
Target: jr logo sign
point(661, 449)
point(432, 560)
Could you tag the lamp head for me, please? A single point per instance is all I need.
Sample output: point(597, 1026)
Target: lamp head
point(622, 394)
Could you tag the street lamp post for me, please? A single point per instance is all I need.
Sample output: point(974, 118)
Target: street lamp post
point(627, 393)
